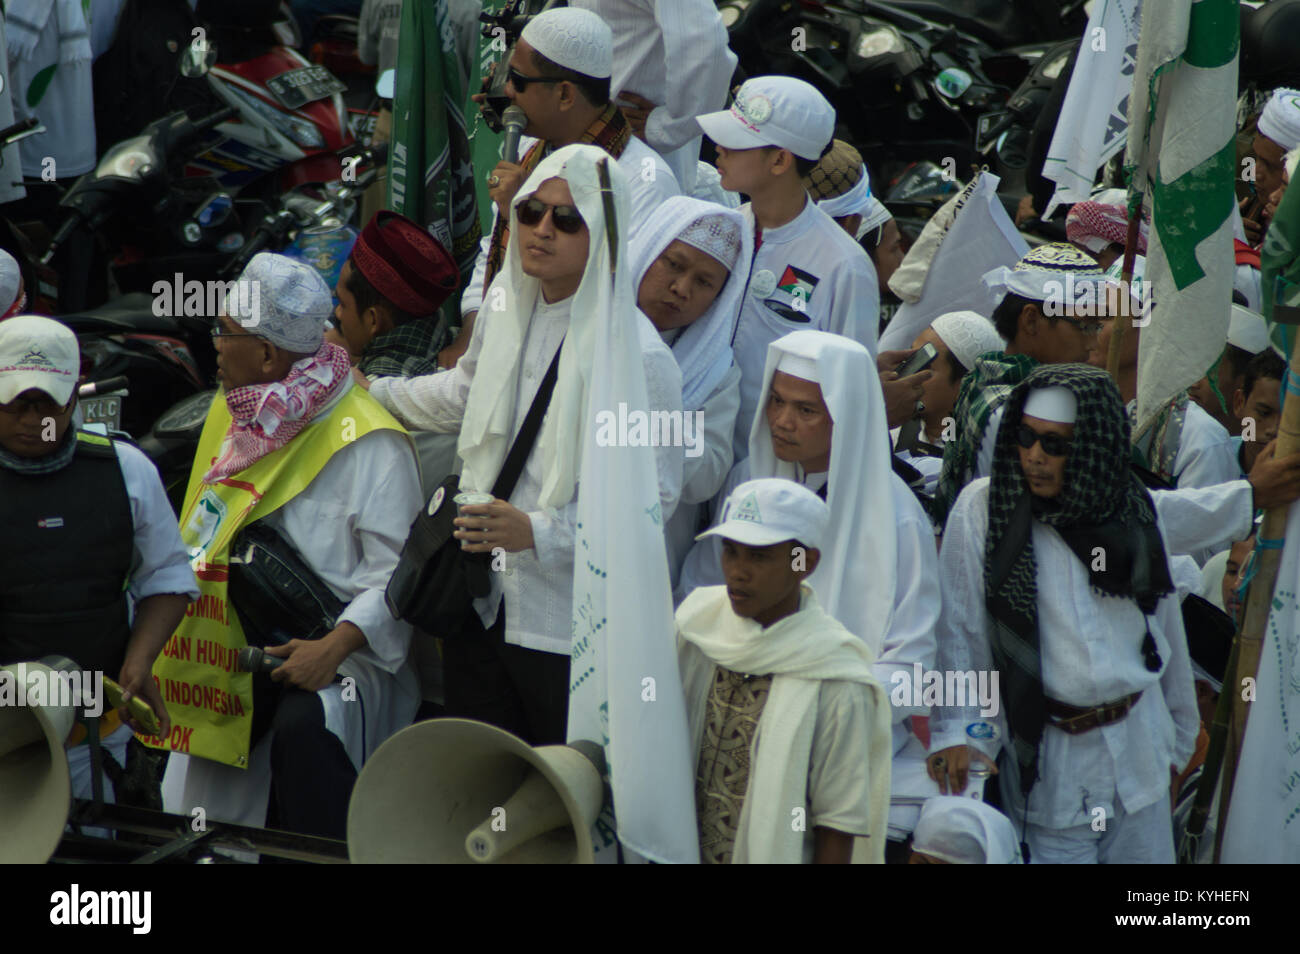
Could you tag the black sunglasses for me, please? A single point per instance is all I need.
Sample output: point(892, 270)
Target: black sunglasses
point(1054, 445)
point(520, 82)
point(532, 210)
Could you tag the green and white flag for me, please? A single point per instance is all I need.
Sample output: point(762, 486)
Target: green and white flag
point(1181, 127)
point(484, 144)
point(430, 176)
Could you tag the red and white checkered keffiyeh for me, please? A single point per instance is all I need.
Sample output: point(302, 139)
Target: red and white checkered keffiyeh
point(265, 417)
point(1094, 225)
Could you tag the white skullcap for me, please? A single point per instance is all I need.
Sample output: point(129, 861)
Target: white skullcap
point(1056, 404)
point(798, 366)
point(968, 335)
point(1280, 120)
point(1247, 330)
point(715, 235)
point(965, 831)
point(573, 38)
point(282, 300)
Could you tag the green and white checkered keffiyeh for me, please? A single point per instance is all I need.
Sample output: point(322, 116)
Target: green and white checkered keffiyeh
point(407, 351)
point(1102, 504)
point(989, 383)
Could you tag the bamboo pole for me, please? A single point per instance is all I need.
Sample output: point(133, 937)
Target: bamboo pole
point(1124, 317)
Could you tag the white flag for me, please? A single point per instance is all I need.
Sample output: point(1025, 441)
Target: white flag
point(1264, 815)
point(980, 238)
point(1093, 124)
point(1181, 139)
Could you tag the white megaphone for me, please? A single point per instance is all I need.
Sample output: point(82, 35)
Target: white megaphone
point(456, 791)
point(35, 784)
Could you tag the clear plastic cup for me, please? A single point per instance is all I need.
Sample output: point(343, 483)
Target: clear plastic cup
point(981, 766)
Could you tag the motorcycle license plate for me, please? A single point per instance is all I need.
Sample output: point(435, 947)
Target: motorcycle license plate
point(297, 88)
point(104, 409)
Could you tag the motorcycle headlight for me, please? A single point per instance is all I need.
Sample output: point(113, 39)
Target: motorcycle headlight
point(131, 159)
point(303, 133)
point(879, 42)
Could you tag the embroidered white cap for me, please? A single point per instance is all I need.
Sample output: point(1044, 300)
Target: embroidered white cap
point(774, 111)
point(38, 353)
point(771, 510)
point(968, 334)
point(574, 38)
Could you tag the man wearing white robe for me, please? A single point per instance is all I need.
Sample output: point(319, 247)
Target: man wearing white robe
point(514, 672)
point(671, 63)
point(785, 692)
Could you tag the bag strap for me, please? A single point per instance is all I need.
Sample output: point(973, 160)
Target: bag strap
point(527, 436)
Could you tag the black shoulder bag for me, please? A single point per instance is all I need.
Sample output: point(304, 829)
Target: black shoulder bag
point(275, 593)
point(436, 582)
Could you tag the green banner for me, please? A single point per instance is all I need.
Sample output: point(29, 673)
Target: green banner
point(485, 145)
point(430, 175)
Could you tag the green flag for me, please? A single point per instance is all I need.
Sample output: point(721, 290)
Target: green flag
point(430, 176)
point(485, 145)
point(1279, 259)
point(1181, 143)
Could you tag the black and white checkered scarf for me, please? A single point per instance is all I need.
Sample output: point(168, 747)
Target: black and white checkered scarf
point(1102, 504)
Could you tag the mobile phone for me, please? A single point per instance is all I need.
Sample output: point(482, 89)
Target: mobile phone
point(918, 362)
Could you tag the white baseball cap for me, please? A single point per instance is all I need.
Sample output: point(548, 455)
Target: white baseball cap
point(38, 353)
point(771, 510)
point(774, 111)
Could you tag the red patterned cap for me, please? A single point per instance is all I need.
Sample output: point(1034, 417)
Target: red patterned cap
point(405, 264)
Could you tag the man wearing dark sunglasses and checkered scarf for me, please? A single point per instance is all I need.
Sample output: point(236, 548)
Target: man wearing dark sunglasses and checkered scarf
point(1056, 574)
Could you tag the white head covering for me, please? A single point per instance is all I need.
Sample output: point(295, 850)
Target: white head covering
point(856, 201)
point(574, 38)
point(1055, 271)
point(856, 578)
point(873, 217)
point(488, 427)
point(1247, 330)
point(1280, 120)
point(10, 277)
point(284, 301)
point(968, 334)
point(965, 831)
point(703, 350)
point(1054, 403)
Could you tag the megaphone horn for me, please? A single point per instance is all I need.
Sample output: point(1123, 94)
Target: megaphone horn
point(35, 784)
point(460, 791)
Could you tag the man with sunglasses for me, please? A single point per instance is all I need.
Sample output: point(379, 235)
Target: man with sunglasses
point(510, 668)
point(92, 566)
point(1057, 576)
point(559, 75)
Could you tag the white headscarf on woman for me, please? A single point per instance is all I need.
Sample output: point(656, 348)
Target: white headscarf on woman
point(703, 350)
point(856, 578)
point(508, 305)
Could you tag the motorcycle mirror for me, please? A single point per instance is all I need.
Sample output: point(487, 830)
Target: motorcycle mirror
point(384, 85)
point(197, 59)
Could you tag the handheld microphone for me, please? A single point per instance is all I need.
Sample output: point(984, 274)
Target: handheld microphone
point(514, 120)
point(252, 659)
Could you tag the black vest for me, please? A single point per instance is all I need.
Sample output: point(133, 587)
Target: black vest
point(65, 559)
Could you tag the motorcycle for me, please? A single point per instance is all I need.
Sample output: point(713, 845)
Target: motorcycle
point(904, 88)
point(291, 116)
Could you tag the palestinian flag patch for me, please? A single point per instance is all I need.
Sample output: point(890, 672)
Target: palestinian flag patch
point(798, 283)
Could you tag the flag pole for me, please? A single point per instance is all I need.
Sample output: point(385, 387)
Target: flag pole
point(1124, 317)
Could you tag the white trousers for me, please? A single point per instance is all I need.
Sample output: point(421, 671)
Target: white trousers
point(1145, 837)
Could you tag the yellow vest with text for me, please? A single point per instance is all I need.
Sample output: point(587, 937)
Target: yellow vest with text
point(210, 703)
